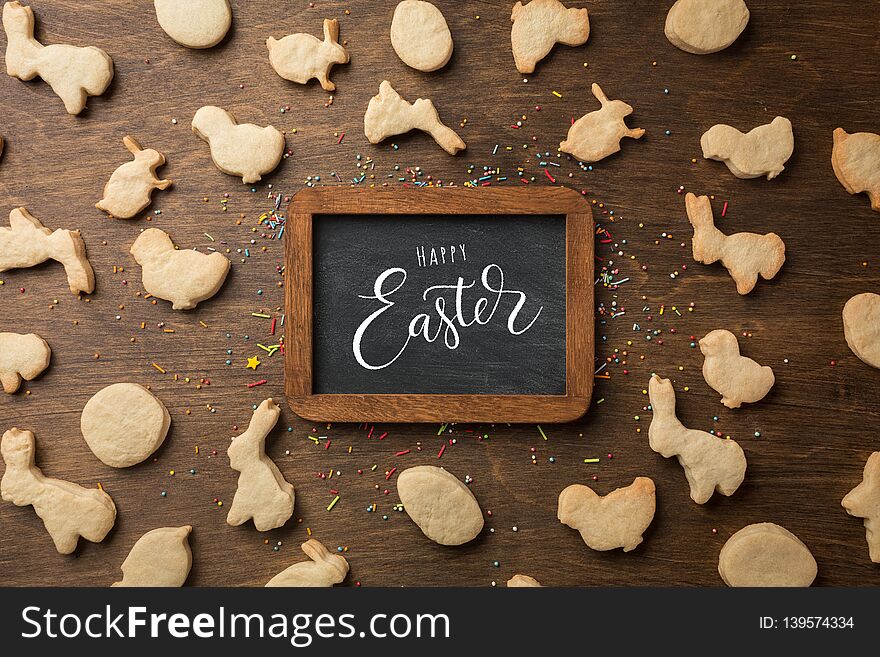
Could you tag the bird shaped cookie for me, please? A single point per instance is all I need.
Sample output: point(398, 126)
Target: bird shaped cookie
point(738, 379)
point(763, 151)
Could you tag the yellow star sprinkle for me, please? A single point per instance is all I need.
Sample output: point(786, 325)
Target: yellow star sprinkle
point(253, 363)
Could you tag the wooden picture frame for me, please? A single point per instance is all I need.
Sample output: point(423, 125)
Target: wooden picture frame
point(496, 201)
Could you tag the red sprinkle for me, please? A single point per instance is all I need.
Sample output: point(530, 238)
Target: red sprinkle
point(552, 179)
point(406, 451)
point(442, 449)
point(256, 383)
point(390, 472)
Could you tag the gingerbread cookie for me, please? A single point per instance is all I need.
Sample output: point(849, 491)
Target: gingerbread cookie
point(184, 277)
point(856, 162)
point(616, 520)
point(262, 494)
point(123, 424)
point(73, 73)
point(245, 150)
point(762, 151)
point(597, 135)
point(324, 570)
point(129, 188)
point(702, 27)
point(744, 255)
point(161, 557)
point(541, 24)
point(21, 357)
point(388, 114)
point(301, 57)
point(766, 554)
point(420, 35)
point(709, 463)
point(443, 508)
point(194, 23)
point(522, 581)
point(863, 501)
point(27, 243)
point(738, 379)
point(861, 327)
point(67, 510)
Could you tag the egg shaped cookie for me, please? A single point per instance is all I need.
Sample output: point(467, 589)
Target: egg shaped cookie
point(194, 23)
point(420, 36)
point(123, 424)
point(702, 27)
point(861, 327)
point(443, 508)
point(766, 554)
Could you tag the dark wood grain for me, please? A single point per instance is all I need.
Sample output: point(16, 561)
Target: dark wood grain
point(817, 426)
point(307, 206)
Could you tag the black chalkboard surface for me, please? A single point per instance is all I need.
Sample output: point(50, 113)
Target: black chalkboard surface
point(439, 304)
point(468, 304)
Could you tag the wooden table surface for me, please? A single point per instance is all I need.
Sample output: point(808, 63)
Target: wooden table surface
point(817, 426)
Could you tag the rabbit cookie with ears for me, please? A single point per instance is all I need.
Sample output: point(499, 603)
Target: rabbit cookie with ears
point(194, 24)
point(541, 24)
point(301, 57)
point(861, 327)
point(745, 255)
point(245, 150)
point(709, 463)
point(863, 501)
point(388, 114)
point(597, 135)
point(856, 162)
point(27, 243)
point(184, 277)
point(21, 357)
point(324, 570)
point(263, 494)
point(616, 520)
point(73, 73)
point(67, 510)
point(161, 557)
point(129, 188)
point(763, 151)
point(738, 379)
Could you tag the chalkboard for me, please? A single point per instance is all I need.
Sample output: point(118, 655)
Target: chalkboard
point(441, 304)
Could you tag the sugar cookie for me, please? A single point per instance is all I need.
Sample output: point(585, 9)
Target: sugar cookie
point(262, 494)
point(522, 581)
point(301, 57)
point(22, 356)
point(863, 501)
point(325, 568)
point(761, 152)
point(73, 73)
point(738, 379)
point(709, 463)
point(616, 520)
point(123, 424)
point(245, 150)
point(420, 35)
point(861, 327)
point(67, 510)
point(161, 557)
point(388, 114)
point(856, 162)
point(194, 23)
point(27, 243)
point(765, 554)
point(702, 27)
point(540, 25)
point(744, 255)
point(129, 188)
point(184, 277)
point(597, 135)
point(443, 508)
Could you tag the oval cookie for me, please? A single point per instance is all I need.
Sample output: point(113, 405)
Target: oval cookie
point(861, 327)
point(702, 27)
point(420, 36)
point(766, 554)
point(194, 23)
point(123, 424)
point(443, 508)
